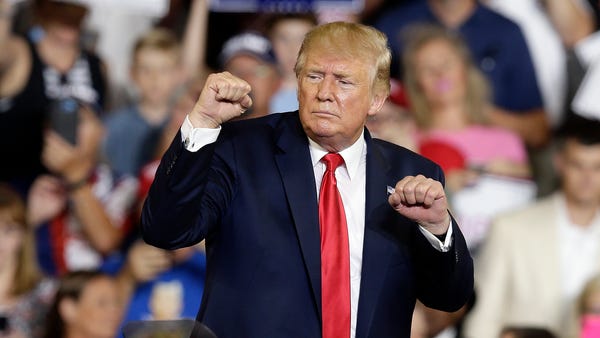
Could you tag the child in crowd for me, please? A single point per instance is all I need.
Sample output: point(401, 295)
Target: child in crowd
point(132, 132)
point(161, 64)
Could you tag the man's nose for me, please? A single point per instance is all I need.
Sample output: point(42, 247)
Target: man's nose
point(325, 89)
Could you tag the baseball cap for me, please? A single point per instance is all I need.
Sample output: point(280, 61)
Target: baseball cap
point(446, 155)
point(69, 12)
point(398, 93)
point(248, 43)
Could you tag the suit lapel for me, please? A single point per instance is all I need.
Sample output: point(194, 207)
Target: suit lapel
point(376, 251)
point(295, 168)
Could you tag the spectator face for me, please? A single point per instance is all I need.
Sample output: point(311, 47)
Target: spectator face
point(336, 96)
point(579, 167)
point(61, 20)
point(157, 75)
point(97, 312)
point(441, 74)
point(63, 33)
point(261, 76)
point(287, 38)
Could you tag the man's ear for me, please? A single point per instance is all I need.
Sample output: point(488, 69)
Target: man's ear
point(68, 310)
point(376, 103)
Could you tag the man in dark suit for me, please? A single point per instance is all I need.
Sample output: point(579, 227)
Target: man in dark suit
point(251, 188)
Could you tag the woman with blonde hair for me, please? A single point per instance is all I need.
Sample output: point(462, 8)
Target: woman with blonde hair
point(25, 294)
point(449, 97)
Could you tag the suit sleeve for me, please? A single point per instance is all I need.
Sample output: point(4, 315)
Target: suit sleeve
point(444, 279)
point(189, 194)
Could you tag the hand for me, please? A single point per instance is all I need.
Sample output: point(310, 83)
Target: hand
point(223, 97)
point(74, 162)
point(145, 262)
point(47, 198)
point(423, 200)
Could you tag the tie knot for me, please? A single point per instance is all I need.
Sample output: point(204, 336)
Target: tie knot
point(332, 161)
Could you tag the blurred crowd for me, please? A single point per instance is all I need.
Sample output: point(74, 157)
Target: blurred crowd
point(500, 93)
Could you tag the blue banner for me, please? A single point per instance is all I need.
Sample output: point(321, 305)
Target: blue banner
point(287, 6)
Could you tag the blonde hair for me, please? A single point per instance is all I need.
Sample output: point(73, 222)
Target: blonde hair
point(160, 39)
point(27, 275)
point(354, 41)
point(477, 88)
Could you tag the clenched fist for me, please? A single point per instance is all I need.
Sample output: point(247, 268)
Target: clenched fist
point(223, 98)
point(423, 200)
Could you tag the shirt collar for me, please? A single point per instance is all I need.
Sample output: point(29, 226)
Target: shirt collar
point(351, 155)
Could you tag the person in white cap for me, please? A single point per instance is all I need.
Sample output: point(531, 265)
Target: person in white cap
point(250, 57)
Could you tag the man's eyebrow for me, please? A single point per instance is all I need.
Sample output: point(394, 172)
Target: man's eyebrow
point(314, 70)
point(342, 75)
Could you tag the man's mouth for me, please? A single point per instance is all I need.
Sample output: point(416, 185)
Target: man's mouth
point(324, 113)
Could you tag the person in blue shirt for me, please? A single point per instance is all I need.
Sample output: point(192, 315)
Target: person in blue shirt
point(157, 284)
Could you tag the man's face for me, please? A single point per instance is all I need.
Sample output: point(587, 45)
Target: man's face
point(579, 166)
point(336, 96)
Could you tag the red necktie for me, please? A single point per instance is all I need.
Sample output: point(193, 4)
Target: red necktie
point(335, 255)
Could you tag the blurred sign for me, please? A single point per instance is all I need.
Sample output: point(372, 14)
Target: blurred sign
point(284, 5)
point(153, 8)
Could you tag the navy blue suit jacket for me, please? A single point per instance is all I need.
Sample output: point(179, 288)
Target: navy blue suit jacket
point(252, 196)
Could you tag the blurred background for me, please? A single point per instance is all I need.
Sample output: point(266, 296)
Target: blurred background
point(501, 93)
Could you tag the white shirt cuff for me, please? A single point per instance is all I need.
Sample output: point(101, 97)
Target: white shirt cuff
point(195, 138)
point(435, 242)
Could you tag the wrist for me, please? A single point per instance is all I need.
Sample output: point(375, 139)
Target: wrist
point(202, 122)
point(74, 185)
point(438, 229)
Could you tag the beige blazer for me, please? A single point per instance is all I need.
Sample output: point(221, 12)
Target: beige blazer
point(517, 274)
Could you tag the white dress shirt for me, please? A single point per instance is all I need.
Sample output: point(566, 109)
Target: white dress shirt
point(351, 183)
